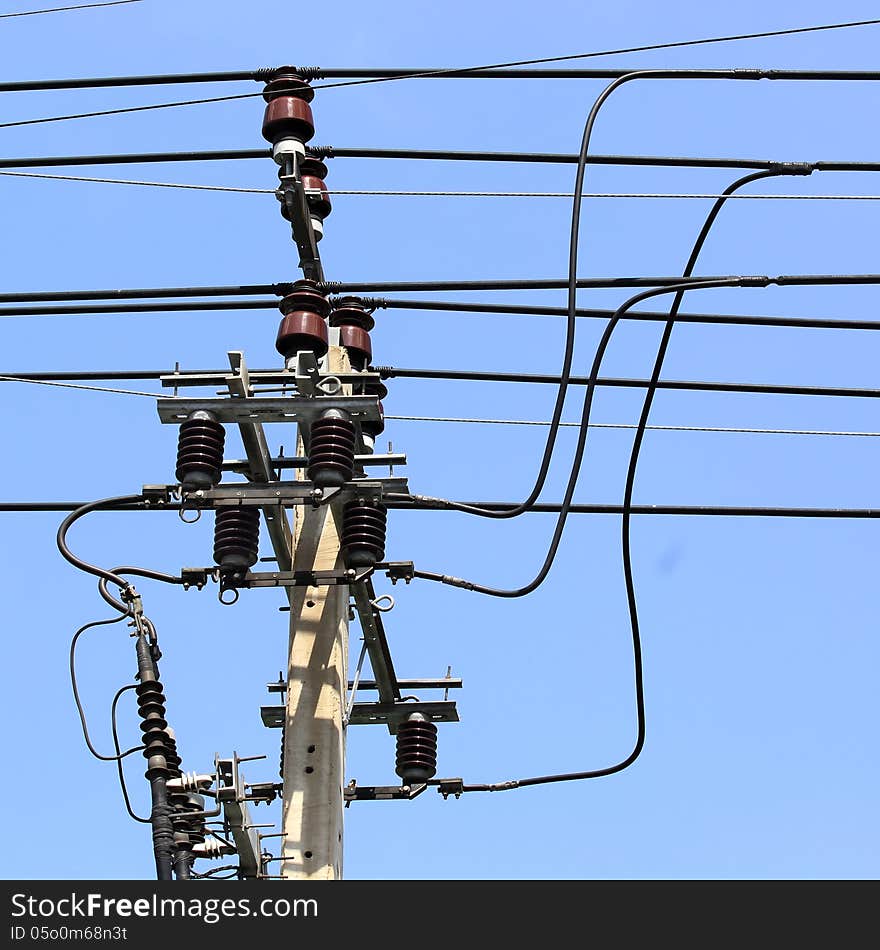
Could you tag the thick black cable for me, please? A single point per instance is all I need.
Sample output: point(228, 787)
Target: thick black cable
point(561, 283)
point(76, 697)
point(68, 555)
point(477, 72)
point(330, 151)
point(578, 453)
point(122, 785)
point(603, 314)
point(348, 287)
point(809, 75)
point(397, 372)
point(412, 503)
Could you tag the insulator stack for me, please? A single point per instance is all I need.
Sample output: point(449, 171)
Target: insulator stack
point(159, 750)
point(303, 327)
point(354, 330)
point(236, 538)
point(288, 122)
point(363, 533)
point(312, 172)
point(200, 451)
point(331, 450)
point(416, 749)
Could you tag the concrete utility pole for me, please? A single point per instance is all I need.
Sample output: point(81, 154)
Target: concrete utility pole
point(317, 676)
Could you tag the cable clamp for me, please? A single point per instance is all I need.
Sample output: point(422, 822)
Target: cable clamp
point(752, 74)
point(451, 786)
point(457, 582)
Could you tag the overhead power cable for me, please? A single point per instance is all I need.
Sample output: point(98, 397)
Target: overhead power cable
point(422, 504)
point(329, 152)
point(797, 75)
point(161, 306)
point(388, 372)
point(383, 75)
point(333, 287)
point(79, 6)
point(353, 192)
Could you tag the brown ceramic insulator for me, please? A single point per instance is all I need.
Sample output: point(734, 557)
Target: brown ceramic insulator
point(375, 427)
point(301, 330)
point(357, 342)
point(313, 166)
point(331, 451)
point(363, 533)
point(350, 310)
point(287, 116)
point(319, 205)
point(416, 751)
point(288, 82)
point(304, 295)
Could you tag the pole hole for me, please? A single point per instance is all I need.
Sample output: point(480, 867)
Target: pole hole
point(310, 603)
point(309, 770)
point(308, 854)
point(311, 748)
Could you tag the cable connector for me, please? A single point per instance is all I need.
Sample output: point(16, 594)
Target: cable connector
point(752, 73)
point(457, 582)
point(793, 168)
point(756, 281)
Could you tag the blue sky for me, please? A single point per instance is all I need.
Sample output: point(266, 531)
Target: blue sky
point(760, 635)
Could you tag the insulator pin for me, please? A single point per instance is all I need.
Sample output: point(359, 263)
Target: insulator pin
point(363, 533)
point(416, 749)
point(200, 452)
point(236, 538)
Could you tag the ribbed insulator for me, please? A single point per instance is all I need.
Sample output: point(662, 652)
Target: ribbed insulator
point(363, 533)
point(349, 311)
point(416, 750)
point(303, 326)
point(200, 452)
point(154, 726)
point(357, 344)
point(288, 113)
point(331, 451)
point(236, 537)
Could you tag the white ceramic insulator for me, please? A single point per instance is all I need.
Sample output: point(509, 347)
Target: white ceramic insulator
point(287, 146)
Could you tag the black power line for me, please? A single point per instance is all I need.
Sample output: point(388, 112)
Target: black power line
point(808, 75)
point(393, 372)
point(79, 6)
point(492, 71)
point(741, 511)
point(330, 151)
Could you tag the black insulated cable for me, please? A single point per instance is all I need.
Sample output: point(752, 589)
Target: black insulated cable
point(122, 501)
point(315, 72)
point(809, 75)
point(76, 696)
point(120, 771)
point(328, 151)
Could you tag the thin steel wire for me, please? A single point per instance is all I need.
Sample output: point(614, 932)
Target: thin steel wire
point(607, 52)
point(438, 194)
point(627, 425)
point(94, 389)
point(80, 6)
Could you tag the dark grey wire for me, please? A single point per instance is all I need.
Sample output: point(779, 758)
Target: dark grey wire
point(122, 785)
point(76, 696)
